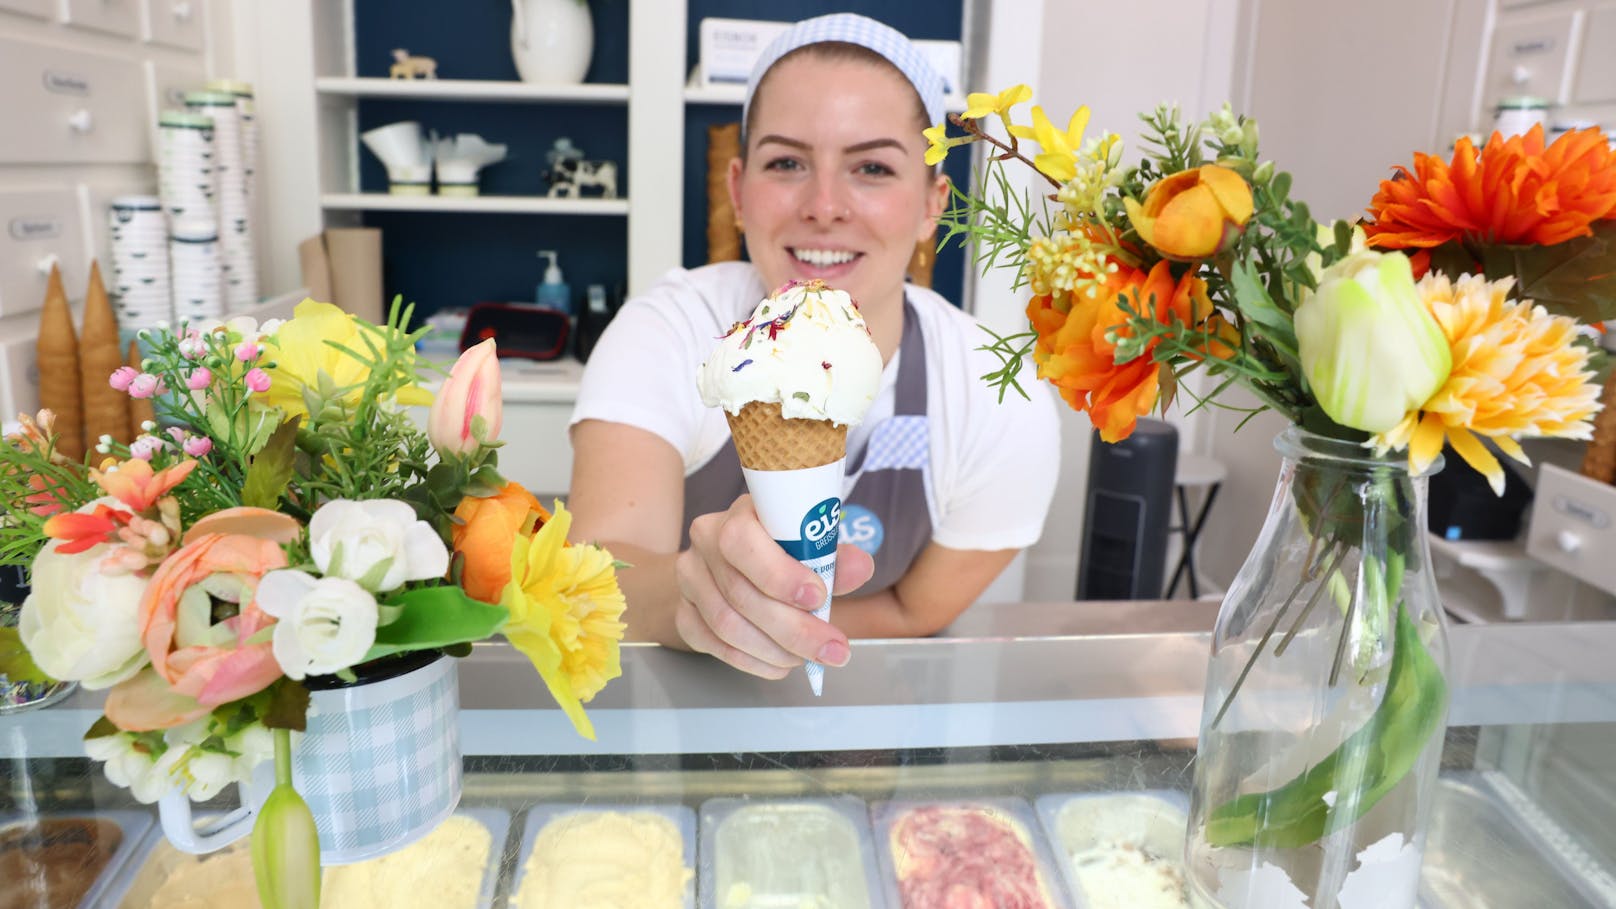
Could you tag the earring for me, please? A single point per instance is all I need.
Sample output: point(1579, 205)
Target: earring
point(740, 226)
point(921, 257)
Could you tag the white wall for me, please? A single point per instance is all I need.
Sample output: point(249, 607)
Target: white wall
point(1092, 54)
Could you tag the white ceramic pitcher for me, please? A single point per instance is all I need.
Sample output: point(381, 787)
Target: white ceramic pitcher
point(552, 40)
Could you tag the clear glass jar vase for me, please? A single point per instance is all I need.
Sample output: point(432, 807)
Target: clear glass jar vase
point(1326, 696)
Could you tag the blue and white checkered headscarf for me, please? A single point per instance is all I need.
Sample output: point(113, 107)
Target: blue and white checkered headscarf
point(850, 28)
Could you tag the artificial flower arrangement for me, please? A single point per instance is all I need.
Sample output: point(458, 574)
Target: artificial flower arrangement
point(284, 517)
point(1197, 259)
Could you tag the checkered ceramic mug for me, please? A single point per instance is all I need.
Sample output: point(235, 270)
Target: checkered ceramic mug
point(379, 767)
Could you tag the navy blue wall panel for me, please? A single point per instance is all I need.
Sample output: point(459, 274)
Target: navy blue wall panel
point(442, 260)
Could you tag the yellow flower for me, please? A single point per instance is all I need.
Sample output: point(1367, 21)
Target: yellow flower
point(1517, 372)
point(301, 354)
point(1059, 149)
point(566, 615)
point(980, 104)
point(938, 143)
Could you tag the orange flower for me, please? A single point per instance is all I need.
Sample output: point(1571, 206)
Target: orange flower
point(203, 662)
point(485, 533)
point(1193, 213)
point(1076, 349)
point(134, 483)
point(1513, 191)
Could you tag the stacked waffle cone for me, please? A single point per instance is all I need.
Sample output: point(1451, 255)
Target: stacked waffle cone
point(1600, 461)
point(765, 439)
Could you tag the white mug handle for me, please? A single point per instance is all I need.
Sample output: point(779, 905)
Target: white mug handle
point(174, 809)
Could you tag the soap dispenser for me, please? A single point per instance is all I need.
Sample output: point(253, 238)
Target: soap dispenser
point(553, 292)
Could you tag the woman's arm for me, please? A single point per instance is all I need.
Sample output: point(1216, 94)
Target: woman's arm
point(734, 593)
point(939, 586)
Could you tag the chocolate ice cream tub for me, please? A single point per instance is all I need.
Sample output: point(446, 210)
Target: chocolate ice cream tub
point(816, 853)
point(64, 859)
point(930, 851)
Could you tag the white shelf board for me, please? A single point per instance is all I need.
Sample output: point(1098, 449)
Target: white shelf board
point(735, 93)
point(533, 205)
point(472, 90)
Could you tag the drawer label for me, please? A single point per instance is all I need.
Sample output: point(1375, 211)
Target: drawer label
point(1581, 511)
point(34, 227)
point(66, 83)
point(1533, 46)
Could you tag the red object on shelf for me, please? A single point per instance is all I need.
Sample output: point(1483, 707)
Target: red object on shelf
point(518, 329)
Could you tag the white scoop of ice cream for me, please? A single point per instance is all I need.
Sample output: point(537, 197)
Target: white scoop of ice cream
point(806, 347)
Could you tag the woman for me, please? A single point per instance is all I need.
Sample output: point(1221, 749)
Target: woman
point(945, 483)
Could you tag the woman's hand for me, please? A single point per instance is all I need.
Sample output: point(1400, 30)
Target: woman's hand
point(748, 603)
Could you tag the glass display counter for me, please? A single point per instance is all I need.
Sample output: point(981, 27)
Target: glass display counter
point(1039, 743)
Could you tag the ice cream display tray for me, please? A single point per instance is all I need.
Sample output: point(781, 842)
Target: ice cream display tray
point(132, 826)
point(804, 883)
point(886, 816)
point(1150, 823)
point(137, 880)
point(683, 818)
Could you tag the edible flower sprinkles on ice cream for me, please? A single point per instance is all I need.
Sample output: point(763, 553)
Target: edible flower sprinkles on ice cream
point(805, 347)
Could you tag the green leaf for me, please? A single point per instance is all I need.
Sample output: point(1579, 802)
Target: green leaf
point(288, 706)
point(1576, 278)
point(100, 729)
point(435, 617)
point(1367, 765)
point(271, 469)
point(16, 663)
point(373, 577)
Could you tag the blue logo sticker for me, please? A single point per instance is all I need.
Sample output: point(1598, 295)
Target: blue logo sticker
point(818, 532)
point(862, 528)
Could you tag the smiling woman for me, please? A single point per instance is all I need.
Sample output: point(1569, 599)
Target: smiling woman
point(831, 184)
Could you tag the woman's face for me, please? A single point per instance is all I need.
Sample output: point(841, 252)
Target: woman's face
point(835, 184)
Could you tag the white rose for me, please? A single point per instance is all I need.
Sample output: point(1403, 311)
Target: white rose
point(349, 539)
point(80, 623)
point(325, 624)
point(133, 768)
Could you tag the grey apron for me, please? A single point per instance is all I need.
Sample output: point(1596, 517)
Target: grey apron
point(886, 513)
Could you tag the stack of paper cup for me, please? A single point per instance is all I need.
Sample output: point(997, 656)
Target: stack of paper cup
point(243, 93)
point(235, 232)
point(185, 173)
point(140, 286)
point(198, 278)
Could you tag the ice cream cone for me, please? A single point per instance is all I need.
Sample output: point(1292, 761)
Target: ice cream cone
point(767, 440)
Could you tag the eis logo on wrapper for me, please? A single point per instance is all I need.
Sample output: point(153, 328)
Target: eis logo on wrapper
point(819, 527)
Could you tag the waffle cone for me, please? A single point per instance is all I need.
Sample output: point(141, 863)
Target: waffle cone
point(765, 439)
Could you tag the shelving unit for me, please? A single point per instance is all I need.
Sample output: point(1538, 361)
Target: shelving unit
point(470, 90)
point(525, 205)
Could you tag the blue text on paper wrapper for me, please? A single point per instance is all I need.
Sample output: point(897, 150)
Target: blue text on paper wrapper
point(815, 547)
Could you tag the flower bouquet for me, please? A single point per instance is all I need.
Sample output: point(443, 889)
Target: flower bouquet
point(283, 526)
point(1195, 271)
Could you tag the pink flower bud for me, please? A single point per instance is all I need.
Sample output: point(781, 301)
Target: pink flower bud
point(200, 378)
point(144, 447)
point(123, 377)
point(198, 446)
point(177, 434)
point(145, 385)
point(248, 351)
point(472, 390)
point(192, 347)
point(257, 380)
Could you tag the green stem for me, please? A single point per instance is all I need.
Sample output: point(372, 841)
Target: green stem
point(283, 757)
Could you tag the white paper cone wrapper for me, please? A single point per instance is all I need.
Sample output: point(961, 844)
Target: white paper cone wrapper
point(802, 510)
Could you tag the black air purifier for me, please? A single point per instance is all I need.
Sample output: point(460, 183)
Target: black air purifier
point(1128, 509)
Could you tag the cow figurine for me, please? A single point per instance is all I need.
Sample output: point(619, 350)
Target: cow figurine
point(569, 173)
point(408, 67)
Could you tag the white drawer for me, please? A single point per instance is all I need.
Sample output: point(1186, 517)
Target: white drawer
point(1595, 81)
point(174, 23)
point(67, 106)
point(115, 17)
point(36, 224)
point(19, 369)
point(40, 9)
point(1529, 57)
point(537, 452)
point(1574, 526)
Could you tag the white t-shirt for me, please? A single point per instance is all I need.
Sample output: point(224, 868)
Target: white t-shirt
point(993, 466)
